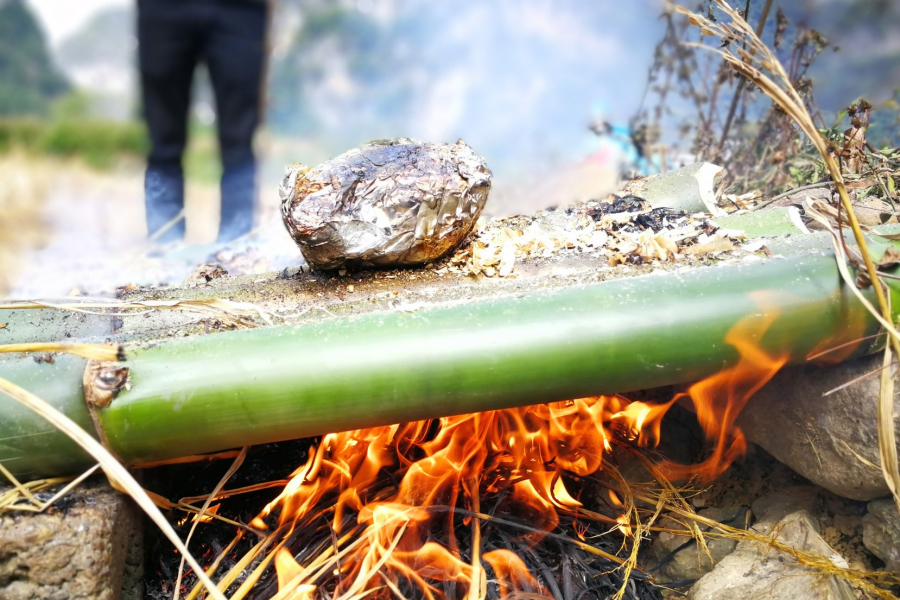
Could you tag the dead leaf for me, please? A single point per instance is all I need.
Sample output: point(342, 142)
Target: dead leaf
point(854, 142)
point(891, 257)
point(649, 248)
point(507, 234)
point(859, 184)
point(666, 243)
point(616, 259)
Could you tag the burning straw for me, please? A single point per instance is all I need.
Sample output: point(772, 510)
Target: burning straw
point(426, 509)
point(492, 504)
point(504, 503)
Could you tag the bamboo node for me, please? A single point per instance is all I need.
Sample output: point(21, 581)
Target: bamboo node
point(103, 381)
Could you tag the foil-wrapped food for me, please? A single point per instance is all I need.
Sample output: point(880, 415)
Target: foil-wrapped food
point(386, 203)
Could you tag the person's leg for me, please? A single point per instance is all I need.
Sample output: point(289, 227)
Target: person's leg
point(168, 50)
point(235, 54)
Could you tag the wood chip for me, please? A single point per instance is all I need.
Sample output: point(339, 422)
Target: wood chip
point(713, 246)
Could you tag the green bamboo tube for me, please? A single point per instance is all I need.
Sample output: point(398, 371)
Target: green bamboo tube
point(208, 393)
point(30, 447)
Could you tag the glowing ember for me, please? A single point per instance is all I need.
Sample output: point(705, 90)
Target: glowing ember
point(433, 475)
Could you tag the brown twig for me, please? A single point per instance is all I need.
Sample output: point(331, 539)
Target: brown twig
point(742, 82)
point(811, 186)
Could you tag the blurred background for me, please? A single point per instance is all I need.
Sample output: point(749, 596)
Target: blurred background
point(522, 81)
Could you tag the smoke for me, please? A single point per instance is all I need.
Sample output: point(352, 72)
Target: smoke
point(519, 81)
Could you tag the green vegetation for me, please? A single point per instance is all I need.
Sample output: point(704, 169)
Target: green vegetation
point(33, 90)
point(95, 141)
point(201, 157)
point(101, 143)
point(28, 79)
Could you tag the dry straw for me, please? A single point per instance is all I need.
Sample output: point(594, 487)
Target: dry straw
point(104, 352)
point(761, 67)
point(238, 313)
point(117, 473)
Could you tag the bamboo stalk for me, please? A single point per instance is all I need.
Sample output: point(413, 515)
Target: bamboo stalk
point(29, 445)
point(208, 393)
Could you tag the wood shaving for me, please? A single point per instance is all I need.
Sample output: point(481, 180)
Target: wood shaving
point(735, 202)
point(639, 237)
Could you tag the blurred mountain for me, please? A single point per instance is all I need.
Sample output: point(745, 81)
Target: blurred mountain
point(29, 81)
point(100, 59)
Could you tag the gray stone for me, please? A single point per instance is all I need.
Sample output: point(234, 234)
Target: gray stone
point(691, 561)
point(881, 532)
point(776, 505)
point(796, 199)
point(79, 549)
point(822, 438)
point(758, 572)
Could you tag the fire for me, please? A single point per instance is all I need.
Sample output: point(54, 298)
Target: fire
point(386, 490)
point(719, 399)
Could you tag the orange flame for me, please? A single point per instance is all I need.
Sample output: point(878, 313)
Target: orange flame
point(526, 455)
point(719, 399)
point(511, 572)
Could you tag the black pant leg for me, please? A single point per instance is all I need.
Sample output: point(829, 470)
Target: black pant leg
point(235, 53)
point(169, 45)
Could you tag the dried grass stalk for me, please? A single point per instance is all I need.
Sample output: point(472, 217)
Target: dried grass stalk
point(118, 475)
point(754, 64)
point(102, 352)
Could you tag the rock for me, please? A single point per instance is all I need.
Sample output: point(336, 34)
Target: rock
point(881, 532)
point(386, 203)
point(822, 438)
point(776, 505)
point(691, 562)
point(81, 548)
point(847, 525)
point(757, 572)
point(873, 211)
point(797, 198)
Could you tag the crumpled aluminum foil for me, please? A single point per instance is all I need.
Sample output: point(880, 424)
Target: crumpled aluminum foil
point(386, 203)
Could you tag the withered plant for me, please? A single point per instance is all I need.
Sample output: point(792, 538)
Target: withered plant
point(729, 122)
point(755, 61)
